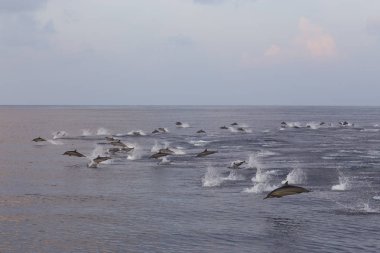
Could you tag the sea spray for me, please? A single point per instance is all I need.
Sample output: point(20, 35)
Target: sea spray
point(213, 177)
point(59, 134)
point(136, 153)
point(344, 183)
point(296, 176)
point(103, 131)
point(86, 132)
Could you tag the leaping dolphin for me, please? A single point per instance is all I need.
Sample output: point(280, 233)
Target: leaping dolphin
point(118, 143)
point(206, 153)
point(223, 127)
point(234, 124)
point(236, 164)
point(178, 123)
point(286, 189)
point(38, 139)
point(201, 131)
point(158, 155)
point(100, 159)
point(73, 153)
point(166, 151)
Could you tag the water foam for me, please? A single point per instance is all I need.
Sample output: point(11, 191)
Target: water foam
point(157, 146)
point(214, 177)
point(164, 161)
point(376, 197)
point(103, 131)
point(86, 132)
point(136, 153)
point(260, 188)
point(184, 125)
point(296, 176)
point(344, 183)
point(59, 134)
point(199, 143)
point(54, 142)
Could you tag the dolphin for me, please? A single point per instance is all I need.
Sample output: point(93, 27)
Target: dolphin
point(38, 139)
point(73, 153)
point(241, 129)
point(122, 149)
point(206, 153)
point(158, 155)
point(100, 159)
point(286, 189)
point(155, 131)
point(234, 124)
point(166, 151)
point(322, 123)
point(223, 127)
point(110, 139)
point(162, 130)
point(118, 143)
point(178, 123)
point(283, 123)
point(201, 131)
point(236, 164)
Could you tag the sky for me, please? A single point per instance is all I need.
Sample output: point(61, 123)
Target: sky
point(190, 52)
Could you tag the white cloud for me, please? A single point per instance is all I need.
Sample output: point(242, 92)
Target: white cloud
point(317, 42)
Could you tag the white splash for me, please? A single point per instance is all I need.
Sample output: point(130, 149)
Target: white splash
point(313, 125)
point(376, 197)
point(344, 183)
point(99, 150)
point(296, 176)
point(103, 131)
point(157, 146)
point(199, 143)
point(184, 125)
point(136, 152)
point(164, 161)
point(54, 142)
point(86, 132)
point(59, 135)
point(178, 151)
point(213, 177)
point(260, 188)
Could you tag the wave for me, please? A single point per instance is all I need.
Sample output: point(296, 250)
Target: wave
point(54, 142)
point(296, 176)
point(359, 208)
point(164, 161)
point(214, 177)
point(376, 197)
point(370, 130)
point(184, 125)
point(86, 132)
point(157, 146)
point(313, 125)
point(344, 183)
point(199, 143)
point(103, 131)
point(59, 135)
point(260, 188)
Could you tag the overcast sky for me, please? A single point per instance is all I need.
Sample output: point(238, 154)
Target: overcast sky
point(223, 52)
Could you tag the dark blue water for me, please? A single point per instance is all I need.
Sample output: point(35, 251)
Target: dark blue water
point(132, 203)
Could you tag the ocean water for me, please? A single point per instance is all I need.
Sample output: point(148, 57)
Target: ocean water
point(183, 203)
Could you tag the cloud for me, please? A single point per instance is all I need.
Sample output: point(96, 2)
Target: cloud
point(21, 5)
point(20, 26)
point(273, 51)
point(373, 25)
point(317, 42)
point(311, 43)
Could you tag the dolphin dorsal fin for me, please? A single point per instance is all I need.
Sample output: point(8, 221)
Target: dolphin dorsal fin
point(75, 150)
point(205, 149)
point(286, 183)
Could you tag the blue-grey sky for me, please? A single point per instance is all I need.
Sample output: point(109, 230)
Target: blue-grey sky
point(259, 52)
